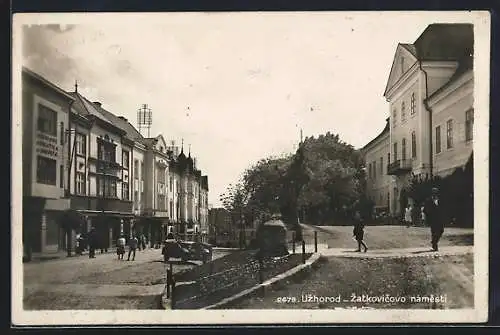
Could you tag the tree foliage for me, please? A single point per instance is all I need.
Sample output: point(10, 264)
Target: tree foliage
point(316, 183)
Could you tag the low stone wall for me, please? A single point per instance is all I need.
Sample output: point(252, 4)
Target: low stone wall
point(211, 283)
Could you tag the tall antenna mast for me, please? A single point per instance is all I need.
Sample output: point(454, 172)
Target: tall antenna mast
point(145, 119)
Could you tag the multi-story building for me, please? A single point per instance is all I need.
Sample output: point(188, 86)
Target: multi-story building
point(87, 167)
point(203, 208)
point(45, 110)
point(99, 178)
point(377, 159)
point(156, 214)
point(430, 95)
point(132, 180)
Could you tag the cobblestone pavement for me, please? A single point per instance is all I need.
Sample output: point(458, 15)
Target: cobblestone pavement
point(83, 283)
point(398, 271)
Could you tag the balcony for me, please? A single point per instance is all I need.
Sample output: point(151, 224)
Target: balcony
point(99, 204)
point(399, 167)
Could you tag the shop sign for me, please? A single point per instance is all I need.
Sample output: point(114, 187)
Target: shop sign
point(46, 145)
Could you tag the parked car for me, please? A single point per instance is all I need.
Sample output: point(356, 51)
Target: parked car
point(187, 251)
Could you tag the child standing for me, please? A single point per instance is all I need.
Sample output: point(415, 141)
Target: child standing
point(358, 232)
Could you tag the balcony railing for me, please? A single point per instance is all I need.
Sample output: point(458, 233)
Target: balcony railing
point(100, 204)
point(400, 166)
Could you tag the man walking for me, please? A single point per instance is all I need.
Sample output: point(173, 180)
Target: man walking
point(132, 246)
point(434, 217)
point(92, 242)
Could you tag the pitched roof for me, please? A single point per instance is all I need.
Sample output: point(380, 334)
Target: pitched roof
point(410, 47)
point(445, 41)
point(132, 132)
point(382, 133)
point(86, 108)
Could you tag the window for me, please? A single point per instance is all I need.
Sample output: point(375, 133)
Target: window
point(161, 176)
point(136, 198)
point(402, 64)
point(388, 158)
point(438, 139)
point(403, 149)
point(370, 170)
point(125, 159)
point(46, 171)
point(413, 144)
point(412, 104)
point(61, 176)
point(395, 151)
point(143, 172)
point(81, 144)
point(449, 134)
point(106, 187)
point(381, 165)
point(61, 127)
point(47, 120)
point(112, 189)
point(374, 169)
point(161, 202)
point(394, 115)
point(469, 123)
point(136, 169)
point(171, 183)
point(106, 152)
point(403, 112)
point(125, 191)
point(80, 183)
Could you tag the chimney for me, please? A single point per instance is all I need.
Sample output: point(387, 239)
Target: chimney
point(123, 118)
point(97, 103)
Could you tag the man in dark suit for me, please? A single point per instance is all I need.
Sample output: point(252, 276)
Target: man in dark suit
point(434, 217)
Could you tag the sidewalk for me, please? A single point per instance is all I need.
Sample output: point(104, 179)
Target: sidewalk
point(399, 252)
point(39, 257)
point(309, 247)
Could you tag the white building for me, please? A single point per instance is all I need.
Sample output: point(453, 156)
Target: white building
point(430, 96)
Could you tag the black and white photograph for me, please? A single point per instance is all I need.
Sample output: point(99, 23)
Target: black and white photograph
point(250, 167)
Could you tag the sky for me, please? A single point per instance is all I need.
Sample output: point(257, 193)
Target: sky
point(236, 87)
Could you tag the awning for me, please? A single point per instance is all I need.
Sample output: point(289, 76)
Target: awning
point(105, 213)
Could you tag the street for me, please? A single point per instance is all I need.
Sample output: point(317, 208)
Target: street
point(398, 267)
point(100, 283)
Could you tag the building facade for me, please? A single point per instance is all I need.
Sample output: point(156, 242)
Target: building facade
point(85, 167)
point(99, 178)
point(377, 158)
point(430, 96)
point(45, 109)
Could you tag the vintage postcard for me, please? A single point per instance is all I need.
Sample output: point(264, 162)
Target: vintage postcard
point(250, 168)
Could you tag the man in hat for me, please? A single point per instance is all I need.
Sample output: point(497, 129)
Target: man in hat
point(434, 217)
